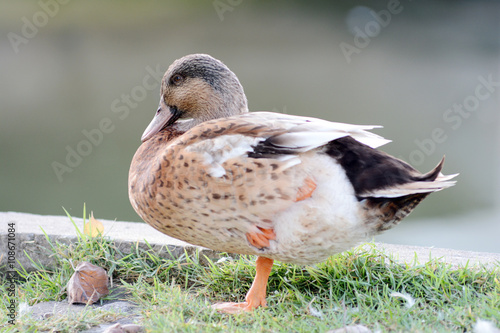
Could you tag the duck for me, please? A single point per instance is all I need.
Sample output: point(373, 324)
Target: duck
point(281, 187)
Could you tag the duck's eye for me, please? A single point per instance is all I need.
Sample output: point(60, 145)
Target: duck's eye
point(177, 79)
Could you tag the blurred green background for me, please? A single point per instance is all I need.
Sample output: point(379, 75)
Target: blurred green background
point(71, 67)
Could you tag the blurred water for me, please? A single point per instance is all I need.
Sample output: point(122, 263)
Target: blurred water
point(85, 82)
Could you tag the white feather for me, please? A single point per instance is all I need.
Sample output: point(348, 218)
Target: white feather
point(305, 133)
point(484, 326)
point(220, 149)
point(439, 184)
point(442, 177)
point(410, 301)
point(290, 162)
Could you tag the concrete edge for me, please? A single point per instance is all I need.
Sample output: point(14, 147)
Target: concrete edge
point(31, 232)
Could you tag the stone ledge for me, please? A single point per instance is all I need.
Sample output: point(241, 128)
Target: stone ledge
point(411, 255)
point(30, 239)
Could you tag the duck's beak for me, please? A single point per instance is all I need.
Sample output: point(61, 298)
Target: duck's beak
point(164, 116)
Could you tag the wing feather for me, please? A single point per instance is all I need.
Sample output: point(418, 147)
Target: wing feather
point(223, 139)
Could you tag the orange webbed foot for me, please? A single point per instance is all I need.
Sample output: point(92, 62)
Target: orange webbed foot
point(256, 296)
point(234, 308)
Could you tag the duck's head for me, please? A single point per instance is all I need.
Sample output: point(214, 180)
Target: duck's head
point(197, 88)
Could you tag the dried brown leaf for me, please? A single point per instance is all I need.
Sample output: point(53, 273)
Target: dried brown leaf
point(88, 284)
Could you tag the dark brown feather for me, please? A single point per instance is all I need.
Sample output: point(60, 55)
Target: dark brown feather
point(369, 169)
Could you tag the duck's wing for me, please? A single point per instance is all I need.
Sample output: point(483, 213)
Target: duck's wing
point(268, 135)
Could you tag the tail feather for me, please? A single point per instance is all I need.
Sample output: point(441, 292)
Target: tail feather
point(432, 181)
point(384, 213)
point(443, 178)
point(386, 207)
point(434, 173)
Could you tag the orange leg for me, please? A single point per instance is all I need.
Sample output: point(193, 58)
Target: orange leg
point(256, 296)
point(307, 190)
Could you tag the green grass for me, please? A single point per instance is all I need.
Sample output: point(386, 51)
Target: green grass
point(355, 287)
